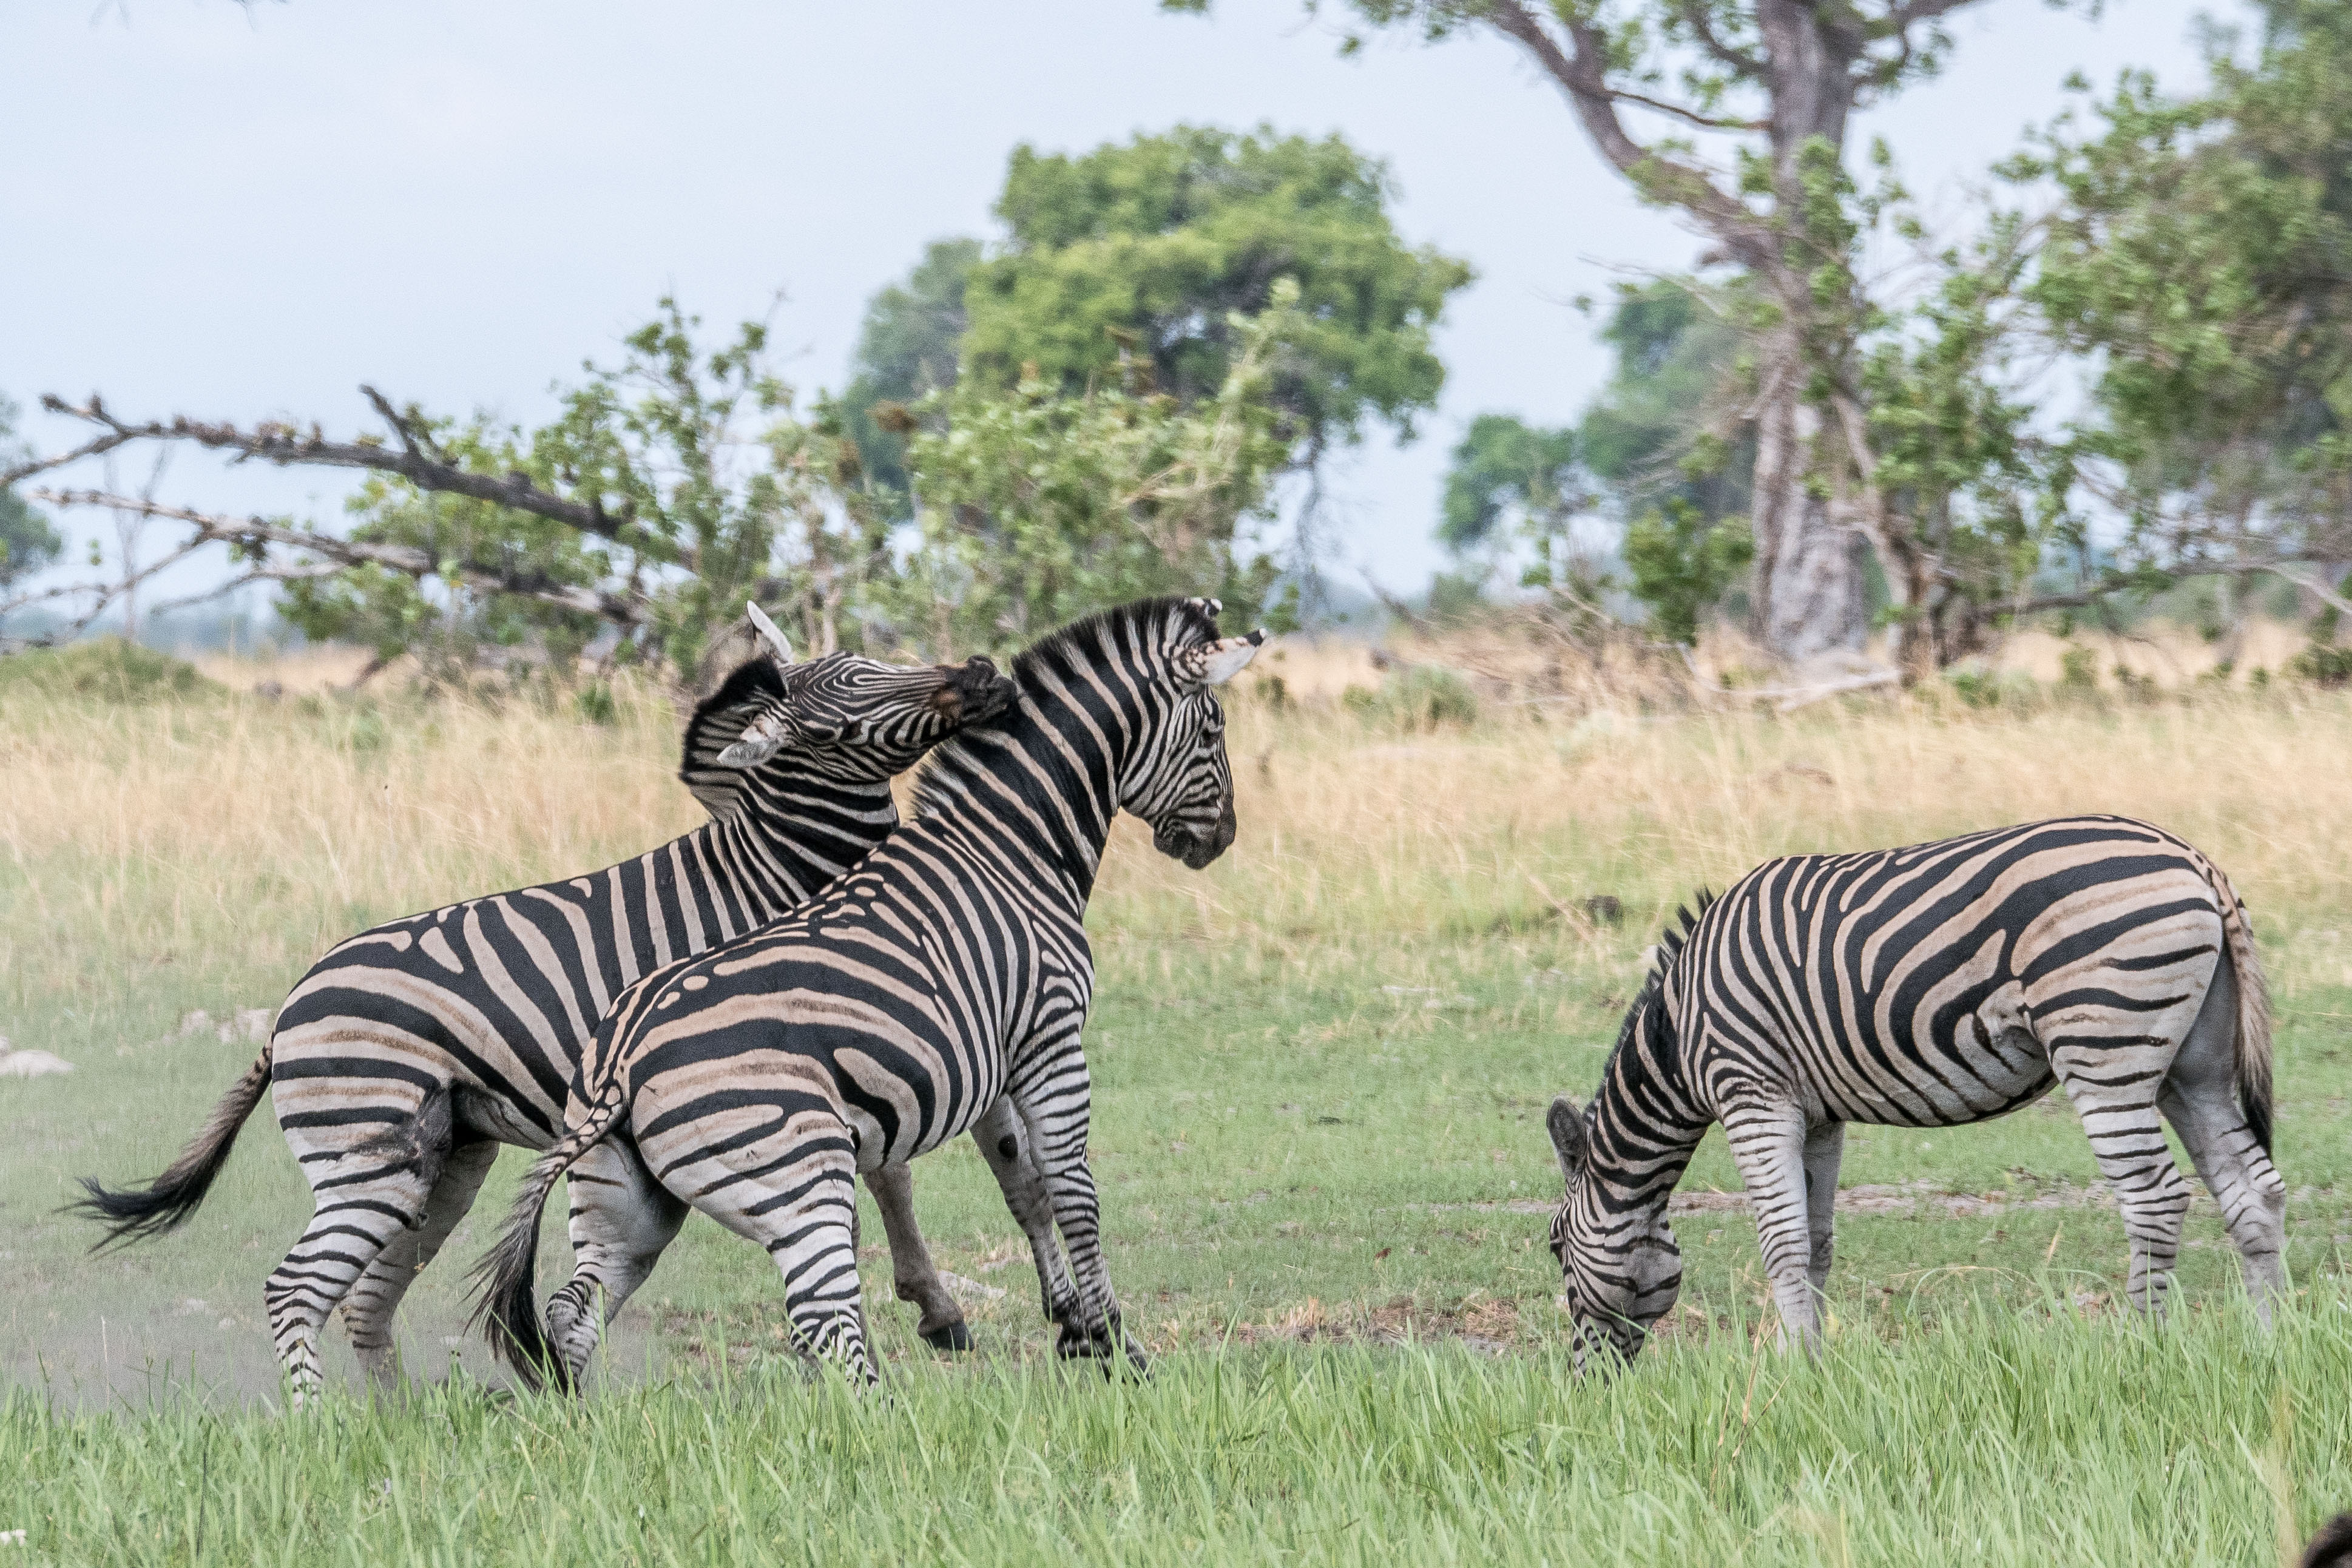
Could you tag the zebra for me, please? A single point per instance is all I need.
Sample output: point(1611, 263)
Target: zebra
point(409, 1053)
point(1928, 987)
point(944, 981)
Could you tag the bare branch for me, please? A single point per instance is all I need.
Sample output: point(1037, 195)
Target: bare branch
point(1583, 77)
point(418, 461)
point(406, 559)
point(97, 447)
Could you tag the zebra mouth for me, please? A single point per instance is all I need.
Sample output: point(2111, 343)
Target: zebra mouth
point(973, 691)
point(1196, 850)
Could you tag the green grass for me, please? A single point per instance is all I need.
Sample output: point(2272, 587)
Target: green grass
point(2002, 1437)
point(1321, 1147)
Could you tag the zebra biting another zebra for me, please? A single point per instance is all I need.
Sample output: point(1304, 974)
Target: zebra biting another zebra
point(1928, 987)
point(945, 979)
point(409, 1053)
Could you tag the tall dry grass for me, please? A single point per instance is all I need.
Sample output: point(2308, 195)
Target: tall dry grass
point(238, 836)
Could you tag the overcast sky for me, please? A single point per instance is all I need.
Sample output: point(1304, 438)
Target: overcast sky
point(239, 213)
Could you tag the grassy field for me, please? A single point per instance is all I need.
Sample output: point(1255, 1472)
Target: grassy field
point(1320, 1070)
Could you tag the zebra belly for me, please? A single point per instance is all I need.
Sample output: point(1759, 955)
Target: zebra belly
point(1993, 1067)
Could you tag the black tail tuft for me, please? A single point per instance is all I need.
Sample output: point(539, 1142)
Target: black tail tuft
point(135, 1214)
point(505, 1308)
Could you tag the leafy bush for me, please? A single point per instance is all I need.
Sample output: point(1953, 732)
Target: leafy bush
point(105, 669)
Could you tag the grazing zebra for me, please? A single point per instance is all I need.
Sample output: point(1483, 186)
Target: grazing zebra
point(946, 977)
point(1925, 988)
point(409, 1053)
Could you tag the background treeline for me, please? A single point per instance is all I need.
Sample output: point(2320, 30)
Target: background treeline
point(2128, 370)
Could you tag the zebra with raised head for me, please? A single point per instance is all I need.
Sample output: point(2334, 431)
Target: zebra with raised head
point(1929, 986)
point(409, 1053)
point(947, 976)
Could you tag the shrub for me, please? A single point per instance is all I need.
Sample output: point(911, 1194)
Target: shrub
point(1419, 697)
point(104, 670)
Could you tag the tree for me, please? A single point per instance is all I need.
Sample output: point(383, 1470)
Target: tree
point(2202, 258)
point(1146, 253)
point(908, 347)
point(28, 542)
point(1777, 81)
point(1649, 451)
point(1038, 506)
point(687, 478)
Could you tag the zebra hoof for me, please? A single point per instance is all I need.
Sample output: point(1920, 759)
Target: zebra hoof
point(955, 1337)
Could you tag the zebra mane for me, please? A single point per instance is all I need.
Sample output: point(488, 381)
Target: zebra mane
point(1068, 647)
point(1679, 927)
point(716, 724)
point(1076, 642)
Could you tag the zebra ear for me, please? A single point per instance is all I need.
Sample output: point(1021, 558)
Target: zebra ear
point(1565, 1122)
point(1229, 658)
point(763, 738)
point(779, 649)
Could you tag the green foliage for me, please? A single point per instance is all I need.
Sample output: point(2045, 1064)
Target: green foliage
point(1654, 433)
point(2203, 253)
point(908, 347)
point(1682, 563)
point(28, 542)
point(1038, 506)
point(1416, 697)
point(1143, 255)
point(1506, 470)
point(713, 488)
point(102, 669)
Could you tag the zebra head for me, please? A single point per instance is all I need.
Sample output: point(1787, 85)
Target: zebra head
point(843, 716)
point(1179, 780)
point(1621, 1268)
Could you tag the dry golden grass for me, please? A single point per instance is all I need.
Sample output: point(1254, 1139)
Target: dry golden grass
point(243, 835)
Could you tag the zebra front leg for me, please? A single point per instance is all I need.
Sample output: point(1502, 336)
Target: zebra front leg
point(1768, 1142)
point(999, 1135)
point(913, 1276)
point(1824, 1151)
point(370, 1309)
point(621, 1221)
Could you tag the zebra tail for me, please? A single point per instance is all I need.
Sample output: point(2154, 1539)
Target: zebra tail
point(505, 1308)
point(2253, 1009)
point(135, 1214)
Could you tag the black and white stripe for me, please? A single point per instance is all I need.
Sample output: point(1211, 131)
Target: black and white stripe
point(1929, 986)
point(410, 1052)
point(946, 978)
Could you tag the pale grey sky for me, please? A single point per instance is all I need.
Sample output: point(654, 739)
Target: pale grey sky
point(238, 213)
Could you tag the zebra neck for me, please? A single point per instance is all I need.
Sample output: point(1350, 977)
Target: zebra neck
point(1032, 790)
point(790, 836)
point(1645, 1123)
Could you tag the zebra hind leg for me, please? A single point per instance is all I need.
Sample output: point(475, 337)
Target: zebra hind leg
point(913, 1276)
point(812, 1247)
point(2200, 1098)
point(368, 1197)
point(621, 1222)
point(2115, 1099)
point(1768, 1143)
point(1824, 1151)
point(370, 1309)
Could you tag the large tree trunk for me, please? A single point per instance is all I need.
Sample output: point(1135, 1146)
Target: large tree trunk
point(1808, 594)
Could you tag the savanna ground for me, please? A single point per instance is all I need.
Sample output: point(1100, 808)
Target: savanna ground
point(1320, 1074)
